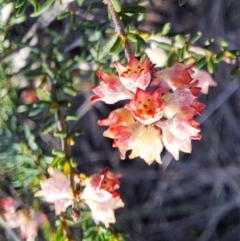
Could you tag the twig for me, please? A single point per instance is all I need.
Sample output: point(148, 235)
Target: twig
point(119, 28)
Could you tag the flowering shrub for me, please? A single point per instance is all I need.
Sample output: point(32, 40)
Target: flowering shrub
point(159, 107)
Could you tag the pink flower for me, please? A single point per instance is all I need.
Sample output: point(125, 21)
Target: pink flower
point(205, 80)
point(135, 74)
point(110, 90)
point(56, 190)
point(175, 76)
point(178, 132)
point(99, 194)
point(123, 129)
point(181, 101)
point(147, 107)
point(148, 146)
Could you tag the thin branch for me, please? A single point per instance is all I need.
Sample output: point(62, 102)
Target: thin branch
point(119, 28)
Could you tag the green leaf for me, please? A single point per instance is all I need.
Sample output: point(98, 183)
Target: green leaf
point(133, 9)
point(73, 162)
point(195, 37)
point(117, 45)
point(35, 5)
point(219, 57)
point(171, 57)
point(224, 44)
point(105, 49)
point(20, 3)
point(48, 128)
point(20, 10)
point(132, 37)
point(182, 2)
point(208, 41)
point(69, 90)
point(117, 6)
point(55, 161)
point(165, 46)
point(127, 19)
point(58, 153)
point(63, 15)
point(41, 104)
point(30, 74)
point(43, 8)
point(166, 28)
point(201, 62)
point(210, 66)
point(35, 112)
point(72, 118)
point(62, 134)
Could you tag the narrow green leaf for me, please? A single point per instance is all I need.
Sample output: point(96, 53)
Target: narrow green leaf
point(20, 3)
point(63, 15)
point(22, 108)
point(43, 8)
point(171, 57)
point(182, 2)
point(180, 38)
point(69, 90)
point(58, 153)
point(208, 41)
point(132, 37)
point(20, 10)
point(105, 49)
point(72, 118)
point(224, 44)
point(219, 57)
point(210, 66)
point(55, 161)
point(62, 134)
point(166, 28)
point(117, 6)
point(201, 62)
point(73, 162)
point(133, 9)
point(195, 37)
point(35, 5)
point(165, 46)
point(48, 128)
point(35, 112)
point(41, 104)
point(117, 45)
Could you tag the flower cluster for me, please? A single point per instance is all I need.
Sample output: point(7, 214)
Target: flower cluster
point(25, 219)
point(99, 194)
point(160, 109)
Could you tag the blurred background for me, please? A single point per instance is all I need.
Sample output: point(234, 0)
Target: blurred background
point(194, 199)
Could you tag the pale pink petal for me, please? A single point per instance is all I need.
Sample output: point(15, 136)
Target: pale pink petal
point(110, 90)
point(205, 80)
point(148, 146)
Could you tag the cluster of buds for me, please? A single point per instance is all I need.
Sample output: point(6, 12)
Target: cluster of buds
point(159, 112)
point(15, 216)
